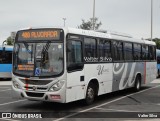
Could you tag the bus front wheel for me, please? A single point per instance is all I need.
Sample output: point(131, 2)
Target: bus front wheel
point(90, 94)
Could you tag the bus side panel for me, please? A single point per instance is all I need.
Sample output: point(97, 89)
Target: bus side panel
point(151, 71)
point(124, 74)
point(5, 67)
point(75, 88)
point(5, 70)
point(103, 73)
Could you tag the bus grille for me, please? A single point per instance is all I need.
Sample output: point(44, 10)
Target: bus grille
point(31, 94)
point(36, 82)
point(37, 88)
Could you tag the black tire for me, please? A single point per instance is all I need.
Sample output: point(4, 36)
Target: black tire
point(137, 85)
point(90, 94)
point(158, 74)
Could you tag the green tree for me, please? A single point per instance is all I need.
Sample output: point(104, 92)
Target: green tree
point(9, 41)
point(88, 25)
point(157, 41)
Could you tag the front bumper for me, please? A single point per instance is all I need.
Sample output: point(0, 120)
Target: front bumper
point(58, 96)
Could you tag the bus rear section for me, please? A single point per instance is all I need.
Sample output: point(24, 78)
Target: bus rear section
point(5, 61)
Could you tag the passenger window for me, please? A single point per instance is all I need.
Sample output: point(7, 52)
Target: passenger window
point(137, 52)
point(145, 52)
point(104, 49)
point(152, 53)
point(118, 51)
point(128, 53)
point(6, 57)
point(89, 47)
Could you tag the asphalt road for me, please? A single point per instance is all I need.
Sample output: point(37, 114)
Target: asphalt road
point(118, 106)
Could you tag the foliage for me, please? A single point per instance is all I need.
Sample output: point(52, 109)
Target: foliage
point(88, 25)
point(9, 41)
point(157, 41)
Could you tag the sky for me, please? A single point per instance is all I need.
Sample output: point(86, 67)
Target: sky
point(127, 16)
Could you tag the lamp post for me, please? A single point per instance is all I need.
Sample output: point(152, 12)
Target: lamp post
point(93, 15)
point(64, 19)
point(151, 20)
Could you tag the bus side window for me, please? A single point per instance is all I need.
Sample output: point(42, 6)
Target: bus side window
point(128, 51)
point(143, 52)
point(147, 52)
point(117, 51)
point(6, 57)
point(137, 51)
point(90, 47)
point(152, 54)
point(74, 55)
point(104, 49)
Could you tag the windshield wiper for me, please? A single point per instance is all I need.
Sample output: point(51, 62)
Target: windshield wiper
point(16, 51)
point(44, 53)
point(26, 46)
point(46, 47)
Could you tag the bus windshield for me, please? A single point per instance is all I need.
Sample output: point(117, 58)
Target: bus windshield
point(38, 59)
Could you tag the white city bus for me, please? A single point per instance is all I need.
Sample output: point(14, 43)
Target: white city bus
point(67, 64)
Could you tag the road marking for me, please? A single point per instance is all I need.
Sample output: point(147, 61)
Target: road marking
point(4, 90)
point(115, 110)
point(156, 81)
point(5, 83)
point(12, 102)
point(9, 119)
point(59, 119)
point(4, 87)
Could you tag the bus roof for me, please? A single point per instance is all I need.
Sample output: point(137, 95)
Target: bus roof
point(149, 42)
point(110, 35)
point(102, 34)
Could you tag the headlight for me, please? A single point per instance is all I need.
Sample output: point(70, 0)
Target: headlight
point(16, 85)
point(57, 86)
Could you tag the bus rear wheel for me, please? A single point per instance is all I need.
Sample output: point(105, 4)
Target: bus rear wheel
point(90, 94)
point(158, 73)
point(137, 85)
